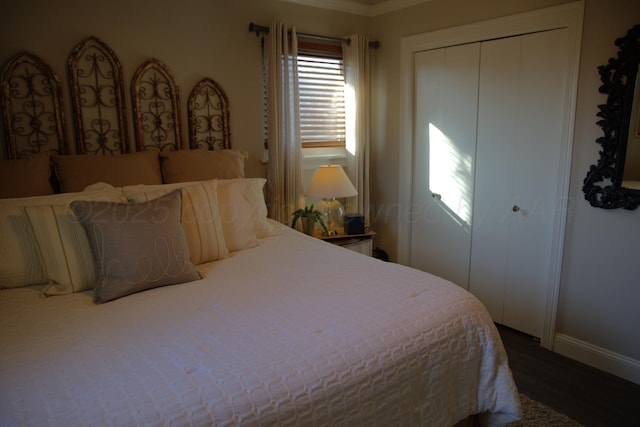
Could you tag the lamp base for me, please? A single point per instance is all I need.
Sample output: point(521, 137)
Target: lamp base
point(332, 214)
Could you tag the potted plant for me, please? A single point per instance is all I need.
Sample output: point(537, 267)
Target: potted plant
point(309, 216)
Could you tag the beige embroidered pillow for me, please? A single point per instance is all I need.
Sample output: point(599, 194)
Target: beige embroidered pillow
point(136, 247)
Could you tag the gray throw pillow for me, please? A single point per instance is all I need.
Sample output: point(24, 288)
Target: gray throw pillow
point(136, 246)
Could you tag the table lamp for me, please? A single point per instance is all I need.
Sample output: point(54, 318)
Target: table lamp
point(328, 183)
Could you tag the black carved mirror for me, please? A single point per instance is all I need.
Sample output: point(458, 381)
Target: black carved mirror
point(614, 182)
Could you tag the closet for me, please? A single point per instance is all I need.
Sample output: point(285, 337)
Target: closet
point(488, 129)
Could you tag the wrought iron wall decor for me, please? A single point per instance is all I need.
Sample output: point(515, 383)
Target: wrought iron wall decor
point(98, 98)
point(208, 111)
point(156, 107)
point(603, 185)
point(32, 112)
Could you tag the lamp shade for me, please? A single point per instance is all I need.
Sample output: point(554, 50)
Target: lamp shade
point(330, 181)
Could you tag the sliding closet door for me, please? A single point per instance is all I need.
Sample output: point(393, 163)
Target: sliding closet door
point(519, 138)
point(446, 82)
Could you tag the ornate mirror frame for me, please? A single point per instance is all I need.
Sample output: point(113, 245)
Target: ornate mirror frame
point(603, 183)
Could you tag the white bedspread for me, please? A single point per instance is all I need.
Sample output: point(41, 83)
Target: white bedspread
point(293, 332)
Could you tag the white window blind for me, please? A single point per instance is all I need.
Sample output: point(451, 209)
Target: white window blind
point(322, 111)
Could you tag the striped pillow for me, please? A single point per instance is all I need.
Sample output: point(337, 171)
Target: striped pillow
point(20, 260)
point(200, 217)
point(64, 249)
point(62, 242)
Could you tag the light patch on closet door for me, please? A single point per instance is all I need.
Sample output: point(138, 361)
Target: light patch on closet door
point(450, 175)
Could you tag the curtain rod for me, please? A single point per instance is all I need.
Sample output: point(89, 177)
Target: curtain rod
point(255, 28)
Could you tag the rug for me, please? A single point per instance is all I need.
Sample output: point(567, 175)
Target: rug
point(535, 414)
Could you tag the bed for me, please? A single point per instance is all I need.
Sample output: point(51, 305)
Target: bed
point(162, 294)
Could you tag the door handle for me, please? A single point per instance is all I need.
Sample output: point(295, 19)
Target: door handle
point(515, 208)
point(436, 196)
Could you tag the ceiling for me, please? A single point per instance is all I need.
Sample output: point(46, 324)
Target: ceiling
point(361, 7)
point(368, 2)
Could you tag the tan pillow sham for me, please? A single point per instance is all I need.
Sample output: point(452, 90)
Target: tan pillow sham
point(202, 165)
point(26, 177)
point(76, 172)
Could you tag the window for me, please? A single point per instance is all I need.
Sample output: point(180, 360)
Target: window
point(321, 89)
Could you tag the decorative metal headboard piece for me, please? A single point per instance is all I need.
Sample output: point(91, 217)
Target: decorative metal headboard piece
point(98, 98)
point(156, 107)
point(32, 110)
point(33, 113)
point(208, 110)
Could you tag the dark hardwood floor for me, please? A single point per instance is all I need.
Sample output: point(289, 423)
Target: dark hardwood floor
point(588, 395)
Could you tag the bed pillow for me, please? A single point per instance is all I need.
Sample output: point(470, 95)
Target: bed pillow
point(20, 263)
point(200, 216)
point(26, 177)
point(76, 172)
point(243, 212)
point(252, 192)
point(21, 255)
point(202, 165)
point(136, 246)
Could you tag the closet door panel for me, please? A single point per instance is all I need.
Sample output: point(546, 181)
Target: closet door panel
point(539, 142)
point(497, 132)
point(444, 151)
point(519, 132)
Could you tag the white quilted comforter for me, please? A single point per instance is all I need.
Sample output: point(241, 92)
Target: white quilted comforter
point(293, 332)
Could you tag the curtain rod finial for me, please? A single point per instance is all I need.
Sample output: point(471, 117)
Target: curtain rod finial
point(254, 28)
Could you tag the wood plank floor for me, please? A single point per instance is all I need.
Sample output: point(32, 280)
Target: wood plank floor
point(588, 395)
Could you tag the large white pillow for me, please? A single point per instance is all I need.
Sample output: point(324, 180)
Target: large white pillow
point(251, 190)
point(21, 255)
point(200, 216)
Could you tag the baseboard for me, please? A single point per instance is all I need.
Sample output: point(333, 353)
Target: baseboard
point(600, 358)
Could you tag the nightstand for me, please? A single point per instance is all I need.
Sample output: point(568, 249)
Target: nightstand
point(362, 243)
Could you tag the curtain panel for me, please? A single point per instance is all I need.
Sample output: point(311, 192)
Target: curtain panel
point(357, 103)
point(284, 169)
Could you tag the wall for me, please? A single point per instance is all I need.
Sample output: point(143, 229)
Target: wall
point(600, 290)
point(600, 287)
point(194, 38)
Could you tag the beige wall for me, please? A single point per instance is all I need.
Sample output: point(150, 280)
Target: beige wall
point(600, 289)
